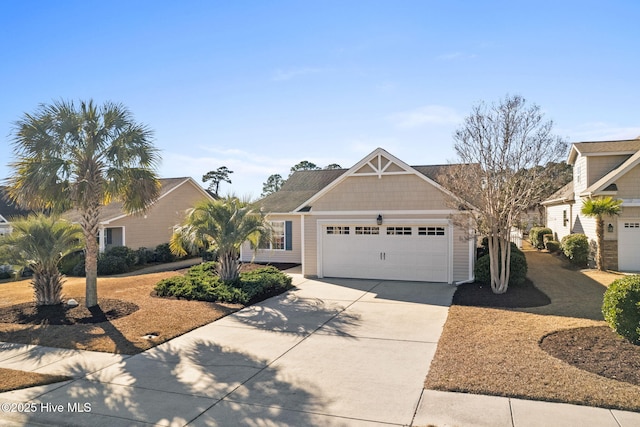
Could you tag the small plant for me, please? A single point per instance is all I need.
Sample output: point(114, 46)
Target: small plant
point(110, 264)
point(536, 236)
point(553, 246)
point(143, 256)
point(128, 255)
point(576, 248)
point(163, 253)
point(621, 307)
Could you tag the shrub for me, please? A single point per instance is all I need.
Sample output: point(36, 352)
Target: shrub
point(552, 246)
point(518, 268)
point(110, 264)
point(536, 236)
point(200, 283)
point(163, 253)
point(144, 256)
point(68, 264)
point(128, 255)
point(621, 307)
point(576, 248)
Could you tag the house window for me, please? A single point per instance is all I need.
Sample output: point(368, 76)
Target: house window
point(333, 229)
point(578, 173)
point(367, 230)
point(108, 236)
point(275, 239)
point(430, 231)
point(564, 218)
point(398, 231)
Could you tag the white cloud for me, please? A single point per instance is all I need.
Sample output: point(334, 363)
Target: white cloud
point(454, 56)
point(599, 131)
point(288, 74)
point(427, 115)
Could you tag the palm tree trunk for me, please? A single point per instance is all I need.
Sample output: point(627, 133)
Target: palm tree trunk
point(90, 221)
point(47, 286)
point(600, 236)
point(228, 267)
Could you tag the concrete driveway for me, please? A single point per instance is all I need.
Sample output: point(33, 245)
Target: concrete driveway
point(331, 353)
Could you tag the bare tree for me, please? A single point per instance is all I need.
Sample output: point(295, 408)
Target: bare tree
point(499, 148)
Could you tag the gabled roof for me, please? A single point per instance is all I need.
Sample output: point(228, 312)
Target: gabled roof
point(605, 184)
point(602, 148)
point(304, 187)
point(298, 188)
point(114, 211)
point(8, 209)
point(563, 195)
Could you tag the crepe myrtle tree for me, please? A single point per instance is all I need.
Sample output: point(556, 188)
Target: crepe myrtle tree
point(500, 147)
point(83, 157)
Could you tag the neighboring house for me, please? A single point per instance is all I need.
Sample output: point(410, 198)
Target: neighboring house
point(154, 227)
point(8, 211)
point(602, 168)
point(380, 219)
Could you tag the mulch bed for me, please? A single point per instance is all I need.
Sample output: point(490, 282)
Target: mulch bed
point(479, 295)
point(61, 314)
point(598, 350)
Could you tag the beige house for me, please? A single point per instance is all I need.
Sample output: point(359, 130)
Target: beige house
point(602, 168)
point(380, 219)
point(154, 227)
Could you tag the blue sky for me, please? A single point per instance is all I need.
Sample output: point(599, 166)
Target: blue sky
point(258, 86)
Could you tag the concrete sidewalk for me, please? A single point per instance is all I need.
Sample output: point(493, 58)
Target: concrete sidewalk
point(330, 353)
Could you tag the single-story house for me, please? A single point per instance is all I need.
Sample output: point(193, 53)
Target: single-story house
point(154, 227)
point(602, 168)
point(380, 219)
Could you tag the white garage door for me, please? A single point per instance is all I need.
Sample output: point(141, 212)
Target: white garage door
point(388, 252)
point(629, 245)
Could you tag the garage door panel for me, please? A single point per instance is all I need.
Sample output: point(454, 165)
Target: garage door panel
point(629, 245)
point(406, 253)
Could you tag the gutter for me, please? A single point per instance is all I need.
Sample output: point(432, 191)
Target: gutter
point(464, 282)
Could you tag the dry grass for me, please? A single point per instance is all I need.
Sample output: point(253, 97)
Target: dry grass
point(496, 351)
point(166, 318)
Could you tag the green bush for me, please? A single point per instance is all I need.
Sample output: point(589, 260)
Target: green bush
point(518, 269)
point(144, 256)
point(576, 248)
point(128, 255)
point(67, 264)
point(163, 253)
point(621, 307)
point(110, 264)
point(536, 236)
point(200, 283)
point(552, 246)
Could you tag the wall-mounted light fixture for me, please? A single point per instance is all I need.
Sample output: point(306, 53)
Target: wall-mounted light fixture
point(610, 228)
point(379, 219)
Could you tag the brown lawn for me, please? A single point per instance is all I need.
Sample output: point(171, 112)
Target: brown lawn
point(165, 318)
point(497, 351)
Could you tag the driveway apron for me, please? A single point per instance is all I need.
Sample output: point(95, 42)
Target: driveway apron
point(335, 352)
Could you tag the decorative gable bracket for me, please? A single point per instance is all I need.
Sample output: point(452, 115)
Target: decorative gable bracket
point(380, 165)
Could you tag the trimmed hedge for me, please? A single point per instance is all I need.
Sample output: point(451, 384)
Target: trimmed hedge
point(518, 268)
point(552, 246)
point(576, 248)
point(621, 307)
point(201, 283)
point(536, 236)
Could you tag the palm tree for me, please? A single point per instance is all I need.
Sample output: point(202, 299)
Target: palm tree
point(83, 158)
point(222, 224)
point(598, 209)
point(40, 242)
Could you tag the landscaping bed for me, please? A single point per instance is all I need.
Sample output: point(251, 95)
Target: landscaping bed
point(497, 349)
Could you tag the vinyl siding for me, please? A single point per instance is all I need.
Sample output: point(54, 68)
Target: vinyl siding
point(629, 184)
point(555, 220)
point(391, 192)
point(156, 226)
point(266, 255)
point(599, 166)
